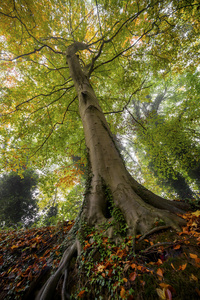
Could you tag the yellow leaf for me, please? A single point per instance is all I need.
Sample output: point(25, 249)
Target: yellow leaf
point(14, 246)
point(193, 278)
point(184, 266)
point(196, 213)
point(161, 293)
point(173, 266)
point(100, 268)
point(193, 256)
point(125, 279)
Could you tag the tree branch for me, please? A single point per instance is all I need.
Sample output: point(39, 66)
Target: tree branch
point(54, 126)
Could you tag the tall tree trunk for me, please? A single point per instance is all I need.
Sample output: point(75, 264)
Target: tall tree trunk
point(139, 206)
point(110, 184)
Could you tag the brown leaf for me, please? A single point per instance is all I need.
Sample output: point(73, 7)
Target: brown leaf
point(133, 266)
point(160, 273)
point(132, 276)
point(198, 291)
point(126, 267)
point(177, 247)
point(163, 285)
point(122, 292)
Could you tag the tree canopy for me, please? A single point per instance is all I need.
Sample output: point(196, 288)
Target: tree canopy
point(132, 46)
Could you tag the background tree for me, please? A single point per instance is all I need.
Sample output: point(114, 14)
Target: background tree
point(163, 137)
point(18, 202)
point(114, 48)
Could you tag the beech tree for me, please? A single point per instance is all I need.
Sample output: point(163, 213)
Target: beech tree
point(68, 67)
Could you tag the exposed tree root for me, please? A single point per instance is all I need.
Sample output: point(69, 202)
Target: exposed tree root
point(137, 223)
point(158, 245)
point(64, 294)
point(156, 229)
point(48, 290)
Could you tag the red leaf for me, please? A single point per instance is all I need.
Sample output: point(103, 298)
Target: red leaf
point(81, 293)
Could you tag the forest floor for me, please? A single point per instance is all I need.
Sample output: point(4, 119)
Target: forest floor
point(163, 265)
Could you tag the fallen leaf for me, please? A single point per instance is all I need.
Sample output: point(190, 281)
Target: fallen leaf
point(193, 256)
point(164, 285)
point(100, 268)
point(133, 266)
point(132, 276)
point(126, 267)
point(161, 293)
point(173, 266)
point(142, 282)
point(140, 268)
point(81, 293)
point(184, 266)
point(122, 292)
point(160, 272)
point(193, 278)
point(196, 213)
point(177, 247)
point(194, 224)
point(198, 291)
point(168, 294)
point(159, 262)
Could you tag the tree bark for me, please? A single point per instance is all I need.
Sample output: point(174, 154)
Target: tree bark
point(139, 206)
point(110, 184)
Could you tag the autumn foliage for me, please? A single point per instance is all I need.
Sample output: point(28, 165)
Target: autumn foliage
point(168, 269)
